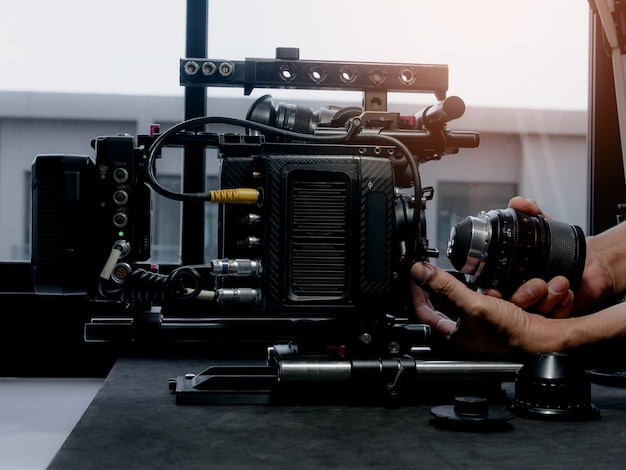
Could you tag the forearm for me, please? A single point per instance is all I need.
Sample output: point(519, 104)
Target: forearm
point(604, 325)
point(533, 333)
point(552, 335)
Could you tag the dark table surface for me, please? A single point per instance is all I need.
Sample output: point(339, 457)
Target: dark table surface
point(134, 422)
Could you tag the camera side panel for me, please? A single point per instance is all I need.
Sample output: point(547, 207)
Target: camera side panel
point(323, 231)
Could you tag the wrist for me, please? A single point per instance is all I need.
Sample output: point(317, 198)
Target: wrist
point(606, 260)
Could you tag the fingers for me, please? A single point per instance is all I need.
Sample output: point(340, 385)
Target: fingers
point(452, 292)
point(493, 293)
point(529, 293)
point(551, 299)
point(486, 324)
point(528, 206)
point(425, 312)
point(565, 307)
point(424, 273)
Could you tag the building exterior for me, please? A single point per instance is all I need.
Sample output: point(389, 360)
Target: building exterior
point(541, 154)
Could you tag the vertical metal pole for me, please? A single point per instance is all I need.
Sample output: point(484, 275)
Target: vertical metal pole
point(194, 164)
point(606, 170)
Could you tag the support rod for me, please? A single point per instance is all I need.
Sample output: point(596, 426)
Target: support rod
point(194, 164)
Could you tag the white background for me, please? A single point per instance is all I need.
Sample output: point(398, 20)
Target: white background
point(530, 54)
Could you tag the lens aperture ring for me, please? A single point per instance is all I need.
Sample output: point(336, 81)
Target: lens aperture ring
point(501, 255)
point(531, 253)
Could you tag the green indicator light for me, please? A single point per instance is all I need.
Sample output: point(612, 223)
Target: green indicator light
point(120, 234)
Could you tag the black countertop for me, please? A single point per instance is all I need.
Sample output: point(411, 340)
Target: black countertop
point(134, 422)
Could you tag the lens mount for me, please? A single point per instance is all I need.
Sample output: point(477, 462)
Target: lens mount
point(468, 244)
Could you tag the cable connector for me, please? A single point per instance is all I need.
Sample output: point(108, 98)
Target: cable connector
point(238, 295)
point(236, 196)
point(236, 267)
point(123, 246)
point(120, 272)
point(114, 256)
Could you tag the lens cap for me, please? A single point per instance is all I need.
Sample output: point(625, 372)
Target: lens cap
point(470, 413)
point(608, 376)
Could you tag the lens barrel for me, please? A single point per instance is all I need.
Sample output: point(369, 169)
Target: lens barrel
point(503, 248)
point(291, 117)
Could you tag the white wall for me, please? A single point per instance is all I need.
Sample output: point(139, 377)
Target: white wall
point(543, 151)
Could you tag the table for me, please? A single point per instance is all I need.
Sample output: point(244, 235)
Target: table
point(134, 423)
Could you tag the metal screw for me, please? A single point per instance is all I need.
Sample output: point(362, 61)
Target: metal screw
point(393, 347)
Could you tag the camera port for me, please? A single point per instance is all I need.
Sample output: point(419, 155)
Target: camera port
point(120, 175)
point(226, 69)
point(120, 197)
point(209, 68)
point(120, 272)
point(120, 220)
point(123, 247)
point(191, 68)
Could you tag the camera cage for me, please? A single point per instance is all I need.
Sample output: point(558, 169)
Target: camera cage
point(383, 150)
point(351, 318)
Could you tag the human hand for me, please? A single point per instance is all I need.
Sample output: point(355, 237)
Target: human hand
point(527, 206)
point(552, 298)
point(596, 288)
point(485, 324)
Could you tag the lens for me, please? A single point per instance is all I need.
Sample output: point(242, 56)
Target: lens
point(291, 117)
point(503, 248)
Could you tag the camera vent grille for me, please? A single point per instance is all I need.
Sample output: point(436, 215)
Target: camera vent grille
point(319, 239)
point(47, 236)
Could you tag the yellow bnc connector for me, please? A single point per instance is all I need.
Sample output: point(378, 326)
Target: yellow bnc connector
point(235, 196)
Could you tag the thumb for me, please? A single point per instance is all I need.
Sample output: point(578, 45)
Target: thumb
point(421, 272)
point(443, 285)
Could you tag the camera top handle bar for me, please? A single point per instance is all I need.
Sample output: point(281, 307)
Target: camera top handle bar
point(287, 71)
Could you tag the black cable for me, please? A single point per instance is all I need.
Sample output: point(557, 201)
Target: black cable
point(417, 187)
point(183, 283)
point(160, 141)
point(348, 138)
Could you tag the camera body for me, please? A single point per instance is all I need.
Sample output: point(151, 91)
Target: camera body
point(324, 233)
point(321, 215)
point(321, 243)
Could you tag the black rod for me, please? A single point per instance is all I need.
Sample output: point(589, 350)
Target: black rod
point(194, 164)
point(606, 170)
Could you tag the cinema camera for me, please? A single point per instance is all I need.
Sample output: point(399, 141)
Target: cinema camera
point(321, 214)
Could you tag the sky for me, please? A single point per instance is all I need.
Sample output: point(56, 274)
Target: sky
point(503, 53)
